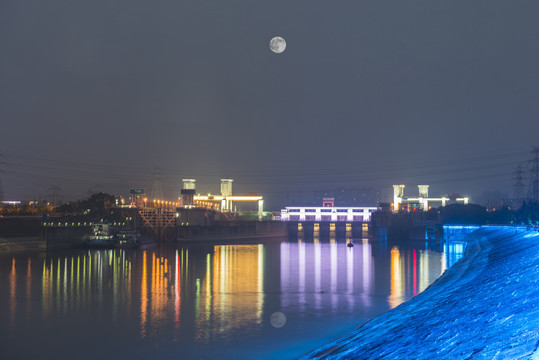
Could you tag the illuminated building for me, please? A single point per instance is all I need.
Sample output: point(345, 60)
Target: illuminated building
point(225, 200)
point(328, 202)
point(226, 187)
point(348, 214)
point(188, 192)
point(421, 202)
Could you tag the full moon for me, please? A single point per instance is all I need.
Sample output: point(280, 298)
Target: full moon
point(278, 319)
point(277, 44)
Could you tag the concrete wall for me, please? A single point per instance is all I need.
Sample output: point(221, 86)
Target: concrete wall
point(231, 229)
point(19, 243)
point(52, 238)
point(19, 226)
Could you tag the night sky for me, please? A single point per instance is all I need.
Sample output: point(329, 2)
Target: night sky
point(96, 95)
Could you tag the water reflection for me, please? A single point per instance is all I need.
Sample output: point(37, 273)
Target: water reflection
point(397, 281)
point(332, 268)
point(12, 292)
point(238, 270)
point(214, 295)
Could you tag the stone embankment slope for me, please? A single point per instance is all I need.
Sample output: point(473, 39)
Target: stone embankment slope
point(486, 307)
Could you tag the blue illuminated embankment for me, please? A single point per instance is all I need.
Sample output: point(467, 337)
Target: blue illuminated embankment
point(485, 306)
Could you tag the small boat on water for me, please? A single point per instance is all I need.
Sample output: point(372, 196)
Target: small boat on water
point(128, 239)
point(101, 235)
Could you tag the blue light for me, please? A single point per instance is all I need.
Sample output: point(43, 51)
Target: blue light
point(459, 227)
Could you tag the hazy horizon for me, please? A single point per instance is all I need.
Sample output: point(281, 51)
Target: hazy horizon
point(98, 95)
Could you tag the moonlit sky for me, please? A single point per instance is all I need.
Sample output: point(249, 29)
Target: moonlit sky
point(96, 95)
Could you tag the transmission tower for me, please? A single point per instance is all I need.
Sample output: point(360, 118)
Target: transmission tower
point(534, 174)
point(518, 195)
point(55, 194)
point(157, 191)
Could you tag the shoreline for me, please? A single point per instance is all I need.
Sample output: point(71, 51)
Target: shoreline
point(485, 305)
point(33, 243)
point(228, 239)
point(19, 243)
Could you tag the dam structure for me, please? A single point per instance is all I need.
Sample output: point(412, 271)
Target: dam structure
point(350, 221)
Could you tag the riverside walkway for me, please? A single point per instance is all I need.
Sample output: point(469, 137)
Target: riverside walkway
point(486, 307)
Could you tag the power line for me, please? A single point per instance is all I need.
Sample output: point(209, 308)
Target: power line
point(128, 175)
point(534, 174)
point(55, 194)
point(122, 176)
point(110, 169)
point(518, 195)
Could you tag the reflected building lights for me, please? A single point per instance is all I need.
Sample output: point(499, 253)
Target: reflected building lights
point(285, 272)
point(333, 288)
point(350, 270)
point(207, 299)
point(333, 254)
point(225, 292)
point(397, 279)
point(241, 269)
point(28, 288)
point(443, 262)
point(414, 275)
point(368, 272)
point(423, 270)
point(65, 285)
point(350, 276)
point(317, 272)
point(12, 292)
point(177, 293)
point(58, 285)
point(71, 287)
point(260, 294)
point(301, 288)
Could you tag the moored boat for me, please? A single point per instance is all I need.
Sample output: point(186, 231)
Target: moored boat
point(128, 239)
point(101, 235)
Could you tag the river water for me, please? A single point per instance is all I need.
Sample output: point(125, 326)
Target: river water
point(273, 299)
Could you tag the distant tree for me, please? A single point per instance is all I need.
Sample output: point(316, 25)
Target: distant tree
point(528, 214)
point(23, 210)
point(502, 215)
point(469, 214)
point(68, 208)
point(96, 207)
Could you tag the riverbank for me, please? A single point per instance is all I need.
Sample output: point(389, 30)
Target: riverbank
point(486, 305)
point(19, 243)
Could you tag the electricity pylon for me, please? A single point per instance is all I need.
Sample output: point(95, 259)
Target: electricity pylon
point(518, 195)
point(534, 175)
point(157, 191)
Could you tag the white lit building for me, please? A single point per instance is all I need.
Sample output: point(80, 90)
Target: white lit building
point(327, 214)
point(420, 202)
